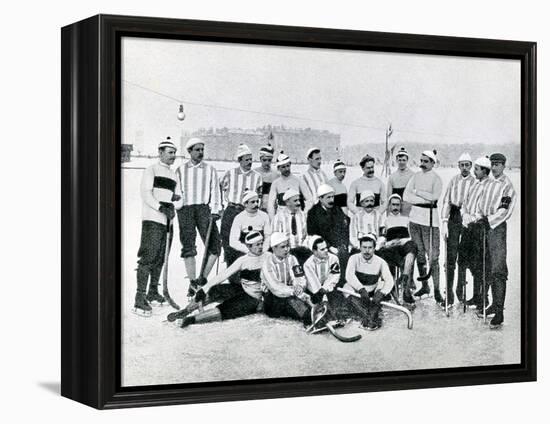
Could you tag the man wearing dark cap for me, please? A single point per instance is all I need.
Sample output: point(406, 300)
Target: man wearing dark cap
point(496, 205)
point(161, 195)
point(366, 182)
point(268, 174)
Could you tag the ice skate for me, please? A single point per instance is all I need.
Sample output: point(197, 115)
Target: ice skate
point(155, 298)
point(497, 321)
point(423, 292)
point(141, 306)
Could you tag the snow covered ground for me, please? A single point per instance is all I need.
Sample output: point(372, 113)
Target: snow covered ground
point(157, 352)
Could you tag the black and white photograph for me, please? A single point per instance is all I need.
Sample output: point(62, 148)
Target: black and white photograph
point(299, 212)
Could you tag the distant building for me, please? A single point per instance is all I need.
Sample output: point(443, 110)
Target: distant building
point(222, 142)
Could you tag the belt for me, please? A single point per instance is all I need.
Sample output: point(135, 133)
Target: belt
point(426, 205)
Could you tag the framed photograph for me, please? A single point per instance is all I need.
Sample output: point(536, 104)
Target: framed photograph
point(254, 211)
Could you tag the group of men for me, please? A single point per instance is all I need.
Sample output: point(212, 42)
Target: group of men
point(290, 242)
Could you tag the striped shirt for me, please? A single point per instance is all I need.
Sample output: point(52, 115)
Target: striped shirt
point(363, 222)
point(469, 206)
point(455, 194)
point(312, 179)
point(200, 185)
point(158, 184)
point(362, 184)
point(283, 224)
point(236, 181)
point(498, 200)
point(280, 275)
point(322, 273)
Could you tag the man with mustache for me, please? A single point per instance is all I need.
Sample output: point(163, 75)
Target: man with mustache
point(395, 245)
point(398, 180)
point(268, 174)
point(329, 222)
point(340, 190)
point(366, 220)
point(251, 219)
point(281, 184)
point(451, 227)
point(161, 195)
point(366, 182)
point(423, 191)
point(234, 183)
point(313, 177)
point(202, 201)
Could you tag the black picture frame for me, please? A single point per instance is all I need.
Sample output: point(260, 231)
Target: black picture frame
point(90, 205)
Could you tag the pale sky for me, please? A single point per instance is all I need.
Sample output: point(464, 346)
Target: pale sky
point(437, 99)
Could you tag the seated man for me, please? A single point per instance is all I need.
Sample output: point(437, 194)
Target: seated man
point(322, 271)
point(238, 302)
point(284, 282)
point(291, 221)
point(396, 247)
point(370, 276)
point(365, 220)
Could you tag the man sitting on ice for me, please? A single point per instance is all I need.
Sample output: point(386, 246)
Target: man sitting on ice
point(395, 245)
point(369, 276)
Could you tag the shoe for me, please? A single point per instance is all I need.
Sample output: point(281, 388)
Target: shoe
point(141, 306)
point(497, 320)
point(438, 298)
point(473, 302)
point(187, 321)
point(408, 297)
point(155, 296)
point(489, 311)
point(424, 290)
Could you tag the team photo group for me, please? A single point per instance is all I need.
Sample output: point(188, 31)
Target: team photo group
point(317, 248)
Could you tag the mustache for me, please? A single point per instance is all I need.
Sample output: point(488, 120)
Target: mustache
point(422, 166)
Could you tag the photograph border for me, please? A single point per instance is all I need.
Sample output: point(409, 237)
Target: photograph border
point(91, 210)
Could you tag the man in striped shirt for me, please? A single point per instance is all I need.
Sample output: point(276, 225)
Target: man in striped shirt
point(423, 191)
point(340, 189)
point(161, 195)
point(495, 207)
point(234, 183)
point(471, 247)
point(291, 221)
point(313, 177)
point(202, 202)
point(281, 184)
point(451, 227)
point(268, 174)
point(368, 181)
point(366, 220)
point(398, 180)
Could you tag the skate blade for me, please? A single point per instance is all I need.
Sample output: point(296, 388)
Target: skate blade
point(424, 296)
point(409, 306)
point(495, 326)
point(141, 313)
point(155, 303)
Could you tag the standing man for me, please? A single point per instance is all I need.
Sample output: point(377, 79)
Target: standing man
point(234, 183)
point(161, 195)
point(329, 222)
point(369, 276)
point(313, 177)
point(340, 190)
point(291, 221)
point(282, 184)
point(202, 202)
point(366, 220)
point(496, 205)
point(451, 228)
point(423, 191)
point(398, 180)
point(251, 219)
point(268, 175)
point(367, 182)
point(471, 246)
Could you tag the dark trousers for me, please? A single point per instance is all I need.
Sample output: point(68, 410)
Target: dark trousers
point(366, 311)
point(151, 253)
point(498, 269)
point(290, 307)
point(420, 234)
point(471, 251)
point(191, 218)
point(452, 256)
point(228, 217)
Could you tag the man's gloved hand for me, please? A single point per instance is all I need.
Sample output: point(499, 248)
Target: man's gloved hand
point(298, 290)
point(364, 295)
point(318, 297)
point(304, 297)
point(200, 295)
point(378, 297)
point(168, 210)
point(215, 216)
point(333, 250)
point(176, 197)
point(201, 281)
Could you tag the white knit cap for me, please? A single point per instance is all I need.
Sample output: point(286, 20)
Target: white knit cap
point(394, 196)
point(249, 195)
point(339, 165)
point(310, 151)
point(282, 159)
point(290, 193)
point(277, 238)
point(253, 237)
point(402, 152)
point(243, 150)
point(430, 154)
point(484, 162)
point(370, 236)
point(465, 157)
point(365, 195)
point(324, 189)
point(191, 142)
point(167, 143)
point(266, 151)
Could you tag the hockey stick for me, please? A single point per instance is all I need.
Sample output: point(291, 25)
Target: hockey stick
point(165, 291)
point(329, 326)
point(483, 279)
point(387, 304)
point(446, 275)
point(429, 273)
